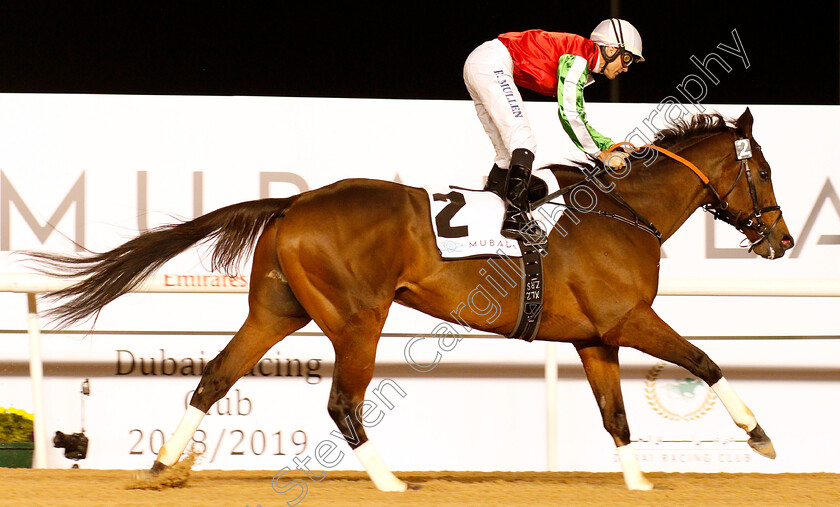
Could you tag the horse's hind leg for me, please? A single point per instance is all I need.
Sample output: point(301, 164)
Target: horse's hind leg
point(642, 329)
point(247, 347)
point(273, 314)
point(345, 272)
point(355, 353)
point(353, 321)
point(600, 362)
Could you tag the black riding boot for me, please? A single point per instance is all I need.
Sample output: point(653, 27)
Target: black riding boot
point(517, 207)
point(496, 181)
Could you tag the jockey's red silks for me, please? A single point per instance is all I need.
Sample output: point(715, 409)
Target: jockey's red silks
point(535, 54)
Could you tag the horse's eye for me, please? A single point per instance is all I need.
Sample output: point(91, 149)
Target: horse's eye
point(764, 174)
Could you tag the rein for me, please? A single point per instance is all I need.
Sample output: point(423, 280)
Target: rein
point(719, 210)
point(638, 220)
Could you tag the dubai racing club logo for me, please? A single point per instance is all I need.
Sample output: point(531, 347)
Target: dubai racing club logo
point(677, 399)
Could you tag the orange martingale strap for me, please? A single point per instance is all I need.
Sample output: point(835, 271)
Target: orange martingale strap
point(670, 154)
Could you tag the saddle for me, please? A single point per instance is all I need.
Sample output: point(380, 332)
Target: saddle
point(467, 223)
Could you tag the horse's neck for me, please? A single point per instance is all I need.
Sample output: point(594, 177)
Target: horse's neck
point(567, 174)
point(667, 192)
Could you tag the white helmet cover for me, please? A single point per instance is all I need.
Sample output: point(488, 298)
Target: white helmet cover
point(618, 33)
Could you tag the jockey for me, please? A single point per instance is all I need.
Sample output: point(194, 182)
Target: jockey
point(552, 64)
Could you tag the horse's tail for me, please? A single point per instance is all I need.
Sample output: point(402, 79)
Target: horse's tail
point(107, 276)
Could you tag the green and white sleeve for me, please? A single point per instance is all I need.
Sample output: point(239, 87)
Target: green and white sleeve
point(572, 74)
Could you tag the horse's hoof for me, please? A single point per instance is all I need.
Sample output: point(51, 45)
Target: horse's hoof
point(142, 475)
point(640, 485)
point(147, 475)
point(761, 443)
point(413, 486)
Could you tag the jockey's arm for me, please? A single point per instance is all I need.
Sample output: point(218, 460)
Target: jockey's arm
point(572, 74)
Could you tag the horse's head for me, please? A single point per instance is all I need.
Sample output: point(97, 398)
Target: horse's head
point(748, 202)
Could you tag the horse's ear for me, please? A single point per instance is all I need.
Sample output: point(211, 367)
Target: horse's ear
point(745, 123)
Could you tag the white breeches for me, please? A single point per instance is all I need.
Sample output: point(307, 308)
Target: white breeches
point(488, 74)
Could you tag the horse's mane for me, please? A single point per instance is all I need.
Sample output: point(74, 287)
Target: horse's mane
point(698, 125)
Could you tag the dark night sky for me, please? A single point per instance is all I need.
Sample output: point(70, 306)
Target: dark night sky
point(405, 50)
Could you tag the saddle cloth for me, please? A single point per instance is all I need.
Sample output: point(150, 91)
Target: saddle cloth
point(467, 223)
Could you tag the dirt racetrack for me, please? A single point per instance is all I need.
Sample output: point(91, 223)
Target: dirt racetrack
point(252, 488)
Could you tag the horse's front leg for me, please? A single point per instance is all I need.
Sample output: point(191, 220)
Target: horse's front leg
point(600, 362)
point(644, 330)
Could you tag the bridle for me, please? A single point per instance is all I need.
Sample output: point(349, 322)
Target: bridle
point(719, 209)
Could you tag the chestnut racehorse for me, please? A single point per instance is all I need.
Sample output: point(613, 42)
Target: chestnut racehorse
point(340, 255)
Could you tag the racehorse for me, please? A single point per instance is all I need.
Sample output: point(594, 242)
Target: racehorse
point(342, 254)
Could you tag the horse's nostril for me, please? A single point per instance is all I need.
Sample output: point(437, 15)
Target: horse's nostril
point(787, 242)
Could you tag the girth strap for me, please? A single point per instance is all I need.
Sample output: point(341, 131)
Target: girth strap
point(530, 293)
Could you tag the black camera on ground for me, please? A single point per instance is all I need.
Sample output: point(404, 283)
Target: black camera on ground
point(75, 445)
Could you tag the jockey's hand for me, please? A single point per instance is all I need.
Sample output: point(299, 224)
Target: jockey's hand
point(616, 159)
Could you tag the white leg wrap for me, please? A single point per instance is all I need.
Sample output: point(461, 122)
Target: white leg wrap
point(742, 415)
point(171, 451)
point(633, 477)
point(382, 478)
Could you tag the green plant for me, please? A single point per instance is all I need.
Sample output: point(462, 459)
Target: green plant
point(15, 425)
